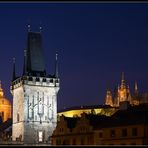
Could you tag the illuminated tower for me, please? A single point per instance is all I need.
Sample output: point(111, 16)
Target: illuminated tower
point(34, 95)
point(108, 98)
point(5, 106)
point(123, 93)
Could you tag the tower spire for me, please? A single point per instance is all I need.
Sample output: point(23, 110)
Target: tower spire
point(56, 65)
point(25, 65)
point(122, 81)
point(29, 27)
point(136, 87)
point(14, 75)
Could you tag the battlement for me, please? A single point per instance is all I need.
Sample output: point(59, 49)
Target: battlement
point(37, 81)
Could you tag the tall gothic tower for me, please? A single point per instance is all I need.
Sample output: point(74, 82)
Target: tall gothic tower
point(34, 96)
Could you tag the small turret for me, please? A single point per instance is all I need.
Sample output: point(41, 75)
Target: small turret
point(108, 98)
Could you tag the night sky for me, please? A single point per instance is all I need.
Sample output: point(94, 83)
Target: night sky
point(96, 43)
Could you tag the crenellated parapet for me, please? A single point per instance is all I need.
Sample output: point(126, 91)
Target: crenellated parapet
point(38, 81)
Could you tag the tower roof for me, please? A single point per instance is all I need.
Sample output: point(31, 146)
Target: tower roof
point(122, 81)
point(35, 59)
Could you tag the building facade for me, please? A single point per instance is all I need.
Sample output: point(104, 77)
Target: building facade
point(34, 96)
point(83, 130)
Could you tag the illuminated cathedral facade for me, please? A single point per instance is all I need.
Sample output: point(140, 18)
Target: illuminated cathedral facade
point(5, 106)
point(34, 96)
point(123, 94)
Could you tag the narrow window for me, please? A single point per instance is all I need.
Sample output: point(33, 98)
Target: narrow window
point(40, 136)
point(100, 135)
point(124, 132)
point(112, 133)
point(134, 131)
point(18, 117)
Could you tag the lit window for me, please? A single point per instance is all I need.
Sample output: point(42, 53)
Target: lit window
point(40, 136)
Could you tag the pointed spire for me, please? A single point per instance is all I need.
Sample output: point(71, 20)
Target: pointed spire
point(29, 27)
point(136, 88)
point(56, 65)
point(1, 90)
point(25, 64)
point(14, 75)
point(122, 81)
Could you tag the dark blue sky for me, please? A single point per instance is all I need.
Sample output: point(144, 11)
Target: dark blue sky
point(96, 42)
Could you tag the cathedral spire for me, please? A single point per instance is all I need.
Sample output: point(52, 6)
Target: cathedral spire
point(136, 88)
point(56, 65)
point(122, 81)
point(14, 75)
point(25, 65)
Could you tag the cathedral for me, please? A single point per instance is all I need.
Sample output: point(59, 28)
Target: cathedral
point(34, 95)
point(123, 94)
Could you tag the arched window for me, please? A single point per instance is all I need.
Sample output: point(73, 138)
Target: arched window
point(18, 117)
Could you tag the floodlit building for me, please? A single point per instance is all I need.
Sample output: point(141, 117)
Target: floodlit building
point(34, 95)
point(5, 106)
point(123, 94)
point(95, 109)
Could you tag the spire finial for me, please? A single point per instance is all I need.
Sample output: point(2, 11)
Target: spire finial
point(24, 68)
point(29, 27)
point(56, 65)
point(122, 76)
point(1, 90)
point(40, 28)
point(122, 81)
point(14, 76)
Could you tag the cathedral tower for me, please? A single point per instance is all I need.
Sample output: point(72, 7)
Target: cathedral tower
point(34, 96)
point(108, 98)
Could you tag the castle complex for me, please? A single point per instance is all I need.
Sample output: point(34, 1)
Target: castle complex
point(123, 94)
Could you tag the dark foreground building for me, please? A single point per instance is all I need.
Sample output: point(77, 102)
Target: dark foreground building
point(128, 126)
